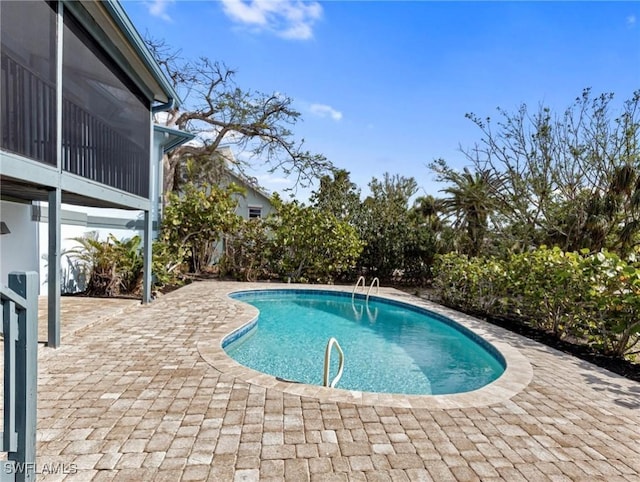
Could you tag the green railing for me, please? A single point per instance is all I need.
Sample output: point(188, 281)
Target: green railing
point(20, 339)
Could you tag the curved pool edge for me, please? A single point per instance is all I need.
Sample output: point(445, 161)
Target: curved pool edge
point(517, 375)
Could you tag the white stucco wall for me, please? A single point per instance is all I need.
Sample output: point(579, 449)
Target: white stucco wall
point(18, 249)
point(70, 281)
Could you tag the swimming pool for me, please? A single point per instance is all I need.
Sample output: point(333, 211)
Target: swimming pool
point(389, 346)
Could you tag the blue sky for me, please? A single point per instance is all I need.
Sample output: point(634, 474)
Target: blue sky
point(384, 86)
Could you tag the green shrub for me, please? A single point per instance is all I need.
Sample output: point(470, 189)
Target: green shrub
point(309, 244)
point(471, 284)
point(545, 287)
point(168, 264)
point(299, 243)
point(247, 252)
point(196, 220)
point(594, 297)
point(613, 303)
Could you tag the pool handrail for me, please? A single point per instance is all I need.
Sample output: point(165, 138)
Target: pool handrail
point(327, 363)
point(357, 314)
point(375, 281)
point(372, 316)
point(364, 283)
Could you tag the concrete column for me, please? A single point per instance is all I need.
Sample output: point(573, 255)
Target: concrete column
point(53, 259)
point(147, 253)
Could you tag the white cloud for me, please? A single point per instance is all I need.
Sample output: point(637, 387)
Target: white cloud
point(631, 20)
point(158, 8)
point(290, 19)
point(322, 110)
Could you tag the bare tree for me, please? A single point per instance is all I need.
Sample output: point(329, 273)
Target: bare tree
point(220, 113)
point(571, 180)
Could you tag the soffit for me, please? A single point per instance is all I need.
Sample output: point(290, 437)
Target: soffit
point(122, 37)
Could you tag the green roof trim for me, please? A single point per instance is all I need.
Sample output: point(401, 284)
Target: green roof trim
point(175, 137)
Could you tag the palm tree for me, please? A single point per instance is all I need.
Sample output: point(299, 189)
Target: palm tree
point(429, 209)
point(470, 200)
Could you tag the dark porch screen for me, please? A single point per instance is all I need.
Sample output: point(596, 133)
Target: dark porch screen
point(105, 119)
point(28, 79)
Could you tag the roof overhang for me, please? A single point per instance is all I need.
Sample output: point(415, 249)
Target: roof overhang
point(172, 138)
point(110, 25)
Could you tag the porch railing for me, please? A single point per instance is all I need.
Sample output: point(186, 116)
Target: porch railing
point(28, 117)
point(93, 150)
point(20, 340)
point(90, 147)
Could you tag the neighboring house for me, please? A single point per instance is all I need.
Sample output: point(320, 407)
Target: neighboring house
point(255, 203)
point(78, 90)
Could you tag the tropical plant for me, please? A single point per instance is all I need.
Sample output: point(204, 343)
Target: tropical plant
point(384, 224)
point(471, 284)
point(470, 198)
point(168, 265)
point(112, 267)
point(613, 300)
point(545, 287)
point(568, 179)
point(591, 297)
point(338, 195)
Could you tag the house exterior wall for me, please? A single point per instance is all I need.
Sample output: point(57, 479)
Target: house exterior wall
point(18, 249)
point(84, 99)
point(78, 125)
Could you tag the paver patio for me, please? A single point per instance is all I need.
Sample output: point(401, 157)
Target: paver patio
point(131, 397)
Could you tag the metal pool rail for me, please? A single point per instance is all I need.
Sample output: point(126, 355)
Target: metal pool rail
point(327, 363)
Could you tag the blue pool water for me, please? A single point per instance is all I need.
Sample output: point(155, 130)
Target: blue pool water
point(389, 347)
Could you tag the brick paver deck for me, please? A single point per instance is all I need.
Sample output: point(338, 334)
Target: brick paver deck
point(138, 397)
point(78, 312)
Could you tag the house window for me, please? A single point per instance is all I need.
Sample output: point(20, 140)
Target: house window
point(255, 212)
point(105, 117)
point(28, 79)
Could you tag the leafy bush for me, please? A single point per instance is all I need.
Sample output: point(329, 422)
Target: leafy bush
point(613, 302)
point(112, 267)
point(595, 297)
point(471, 284)
point(196, 220)
point(300, 243)
point(247, 252)
point(309, 244)
point(544, 286)
point(168, 264)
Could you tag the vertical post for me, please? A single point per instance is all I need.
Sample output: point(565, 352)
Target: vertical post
point(55, 201)
point(53, 324)
point(147, 255)
point(147, 237)
point(59, 52)
point(26, 285)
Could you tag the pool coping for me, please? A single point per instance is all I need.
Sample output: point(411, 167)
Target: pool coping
point(517, 375)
